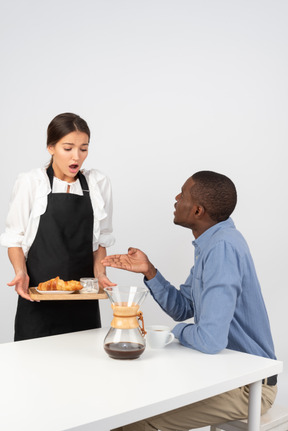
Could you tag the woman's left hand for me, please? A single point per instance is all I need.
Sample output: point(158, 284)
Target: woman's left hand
point(104, 281)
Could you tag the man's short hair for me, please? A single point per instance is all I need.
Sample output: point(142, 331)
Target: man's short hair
point(216, 193)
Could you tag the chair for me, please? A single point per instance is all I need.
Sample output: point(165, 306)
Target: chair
point(276, 419)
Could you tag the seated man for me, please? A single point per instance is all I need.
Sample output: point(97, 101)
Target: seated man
point(222, 293)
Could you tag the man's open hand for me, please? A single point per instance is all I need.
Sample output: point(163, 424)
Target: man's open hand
point(135, 261)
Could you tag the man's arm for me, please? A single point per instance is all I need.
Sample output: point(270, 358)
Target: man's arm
point(175, 303)
point(215, 295)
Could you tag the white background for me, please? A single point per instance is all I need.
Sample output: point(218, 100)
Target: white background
point(168, 88)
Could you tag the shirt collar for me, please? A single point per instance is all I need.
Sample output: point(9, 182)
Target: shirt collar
point(206, 236)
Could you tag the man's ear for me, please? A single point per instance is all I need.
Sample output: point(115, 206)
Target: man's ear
point(199, 211)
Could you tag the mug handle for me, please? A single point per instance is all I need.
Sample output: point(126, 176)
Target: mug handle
point(170, 339)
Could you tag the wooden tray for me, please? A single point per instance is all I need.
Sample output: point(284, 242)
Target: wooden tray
point(65, 296)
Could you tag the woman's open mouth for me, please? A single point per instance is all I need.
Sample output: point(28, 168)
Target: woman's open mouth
point(73, 168)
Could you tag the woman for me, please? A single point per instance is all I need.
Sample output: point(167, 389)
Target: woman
point(59, 224)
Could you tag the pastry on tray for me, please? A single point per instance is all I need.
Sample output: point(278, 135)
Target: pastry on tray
point(58, 284)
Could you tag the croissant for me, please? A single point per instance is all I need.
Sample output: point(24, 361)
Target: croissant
point(58, 284)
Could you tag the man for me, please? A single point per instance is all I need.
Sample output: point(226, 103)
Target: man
point(222, 293)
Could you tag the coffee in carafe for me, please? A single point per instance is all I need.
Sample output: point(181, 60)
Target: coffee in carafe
point(125, 339)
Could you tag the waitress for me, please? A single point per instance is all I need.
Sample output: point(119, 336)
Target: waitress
point(59, 224)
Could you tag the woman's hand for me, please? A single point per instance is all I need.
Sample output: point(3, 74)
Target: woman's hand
point(21, 283)
point(135, 261)
point(21, 279)
point(104, 281)
point(99, 270)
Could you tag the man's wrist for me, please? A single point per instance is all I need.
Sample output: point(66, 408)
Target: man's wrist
point(152, 271)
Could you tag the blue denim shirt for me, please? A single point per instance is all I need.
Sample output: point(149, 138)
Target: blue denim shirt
point(222, 293)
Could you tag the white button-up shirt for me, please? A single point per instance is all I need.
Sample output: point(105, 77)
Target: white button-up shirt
point(29, 201)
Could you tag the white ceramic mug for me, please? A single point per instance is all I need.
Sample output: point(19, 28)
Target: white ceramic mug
point(158, 336)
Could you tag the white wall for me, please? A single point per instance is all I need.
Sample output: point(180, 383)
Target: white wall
point(168, 88)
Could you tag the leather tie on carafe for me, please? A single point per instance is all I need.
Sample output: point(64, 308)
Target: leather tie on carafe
point(127, 317)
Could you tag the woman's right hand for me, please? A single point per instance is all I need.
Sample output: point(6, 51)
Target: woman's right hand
point(21, 279)
point(21, 283)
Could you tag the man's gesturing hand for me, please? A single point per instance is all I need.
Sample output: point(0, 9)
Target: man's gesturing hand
point(135, 261)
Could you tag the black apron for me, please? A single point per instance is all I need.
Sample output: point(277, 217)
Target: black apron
point(63, 246)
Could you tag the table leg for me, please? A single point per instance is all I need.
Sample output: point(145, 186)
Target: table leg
point(254, 411)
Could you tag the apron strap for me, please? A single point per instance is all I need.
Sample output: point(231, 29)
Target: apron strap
point(83, 182)
point(82, 179)
point(50, 174)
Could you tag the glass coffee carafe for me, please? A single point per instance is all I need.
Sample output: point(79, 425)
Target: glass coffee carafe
point(125, 339)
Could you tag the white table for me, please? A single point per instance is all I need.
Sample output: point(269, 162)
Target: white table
point(66, 381)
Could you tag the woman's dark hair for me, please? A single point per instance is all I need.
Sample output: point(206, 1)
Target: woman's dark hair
point(62, 125)
point(216, 193)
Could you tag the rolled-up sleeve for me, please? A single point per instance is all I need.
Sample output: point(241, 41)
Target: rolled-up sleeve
point(102, 203)
point(19, 212)
point(106, 238)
